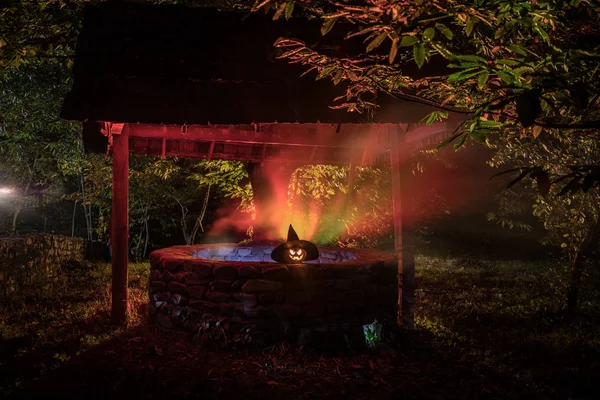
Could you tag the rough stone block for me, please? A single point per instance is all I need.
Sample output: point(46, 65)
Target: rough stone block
point(201, 268)
point(226, 309)
point(245, 298)
point(226, 272)
point(244, 251)
point(277, 273)
point(202, 306)
point(158, 286)
point(237, 284)
point(194, 279)
point(167, 276)
point(247, 271)
point(196, 292)
point(262, 285)
point(297, 297)
point(155, 275)
point(176, 287)
point(202, 254)
point(221, 285)
point(178, 299)
point(216, 297)
point(172, 265)
point(259, 312)
point(287, 311)
point(267, 298)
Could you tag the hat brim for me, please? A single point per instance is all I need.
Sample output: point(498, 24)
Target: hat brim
point(312, 253)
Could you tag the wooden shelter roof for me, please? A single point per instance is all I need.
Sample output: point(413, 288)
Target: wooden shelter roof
point(199, 82)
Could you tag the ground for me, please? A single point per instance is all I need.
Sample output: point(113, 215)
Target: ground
point(486, 329)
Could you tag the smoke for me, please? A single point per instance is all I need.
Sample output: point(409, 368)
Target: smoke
point(353, 199)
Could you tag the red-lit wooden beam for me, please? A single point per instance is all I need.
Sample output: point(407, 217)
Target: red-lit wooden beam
point(120, 225)
point(322, 135)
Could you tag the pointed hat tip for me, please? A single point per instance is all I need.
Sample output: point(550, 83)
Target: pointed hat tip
point(292, 235)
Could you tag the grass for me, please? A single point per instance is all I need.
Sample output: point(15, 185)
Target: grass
point(492, 329)
point(507, 317)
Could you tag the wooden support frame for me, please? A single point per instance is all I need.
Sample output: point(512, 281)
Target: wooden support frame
point(403, 227)
point(120, 226)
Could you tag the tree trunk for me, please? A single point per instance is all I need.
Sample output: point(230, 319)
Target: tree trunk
point(200, 218)
point(87, 210)
point(13, 231)
point(577, 266)
point(73, 219)
point(147, 238)
point(575, 282)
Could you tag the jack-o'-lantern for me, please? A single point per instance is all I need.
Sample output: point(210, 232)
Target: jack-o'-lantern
point(294, 250)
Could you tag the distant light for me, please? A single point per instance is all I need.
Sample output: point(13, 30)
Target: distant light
point(6, 190)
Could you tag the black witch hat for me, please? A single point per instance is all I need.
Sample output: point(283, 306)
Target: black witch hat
point(288, 252)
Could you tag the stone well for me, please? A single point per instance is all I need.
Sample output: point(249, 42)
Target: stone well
point(239, 293)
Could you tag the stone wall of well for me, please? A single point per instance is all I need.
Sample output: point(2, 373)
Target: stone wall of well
point(265, 302)
point(34, 259)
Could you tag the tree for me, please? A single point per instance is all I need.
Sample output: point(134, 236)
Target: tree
point(508, 67)
point(570, 216)
point(37, 146)
point(524, 74)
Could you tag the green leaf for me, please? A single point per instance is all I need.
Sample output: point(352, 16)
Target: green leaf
point(518, 50)
point(470, 25)
point(325, 71)
point(289, 9)
point(483, 78)
point(465, 65)
point(479, 136)
point(543, 34)
point(429, 33)
point(506, 77)
point(460, 142)
point(445, 31)
point(419, 54)
point(465, 74)
point(338, 77)
point(408, 41)
point(377, 41)
point(328, 25)
point(507, 62)
point(472, 58)
point(490, 124)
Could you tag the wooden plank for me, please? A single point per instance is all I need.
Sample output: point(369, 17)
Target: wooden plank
point(211, 149)
point(120, 226)
point(164, 148)
point(403, 235)
point(272, 134)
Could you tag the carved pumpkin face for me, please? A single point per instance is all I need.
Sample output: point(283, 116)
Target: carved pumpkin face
point(296, 254)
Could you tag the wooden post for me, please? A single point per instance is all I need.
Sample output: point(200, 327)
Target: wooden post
point(120, 226)
point(403, 228)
